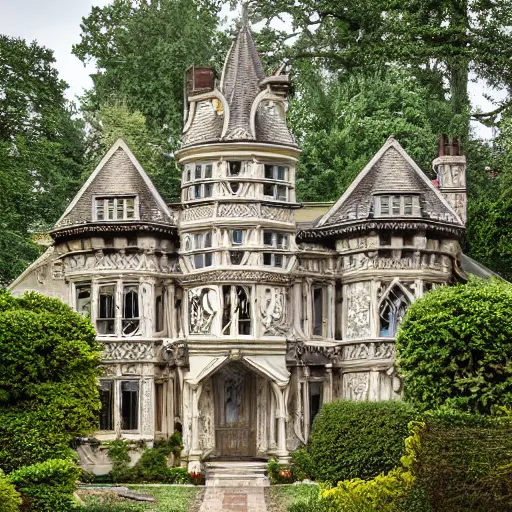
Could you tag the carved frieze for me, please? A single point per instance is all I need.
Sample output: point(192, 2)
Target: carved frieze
point(368, 351)
point(237, 210)
point(176, 354)
point(128, 350)
point(416, 262)
point(198, 213)
point(119, 260)
point(222, 276)
point(280, 214)
point(358, 310)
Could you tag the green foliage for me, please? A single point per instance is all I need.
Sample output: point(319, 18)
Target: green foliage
point(10, 499)
point(301, 464)
point(41, 150)
point(358, 439)
point(47, 486)
point(48, 369)
point(178, 476)
point(278, 474)
point(463, 462)
point(341, 123)
point(454, 347)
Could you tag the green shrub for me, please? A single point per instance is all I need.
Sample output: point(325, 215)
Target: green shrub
point(455, 347)
point(10, 499)
point(178, 476)
point(463, 462)
point(278, 474)
point(47, 486)
point(358, 439)
point(48, 387)
point(301, 465)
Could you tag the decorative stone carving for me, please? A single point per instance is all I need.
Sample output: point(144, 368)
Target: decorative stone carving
point(237, 210)
point(128, 350)
point(203, 308)
point(280, 214)
point(226, 276)
point(206, 418)
point(358, 310)
point(368, 351)
point(120, 260)
point(355, 386)
point(198, 213)
point(418, 261)
point(109, 370)
point(176, 354)
point(273, 311)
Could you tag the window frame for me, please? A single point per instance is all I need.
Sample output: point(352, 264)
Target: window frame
point(202, 241)
point(396, 205)
point(324, 319)
point(275, 170)
point(276, 188)
point(115, 207)
point(190, 172)
point(121, 405)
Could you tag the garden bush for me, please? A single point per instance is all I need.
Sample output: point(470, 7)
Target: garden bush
point(10, 499)
point(455, 347)
point(301, 465)
point(463, 462)
point(47, 486)
point(48, 387)
point(358, 439)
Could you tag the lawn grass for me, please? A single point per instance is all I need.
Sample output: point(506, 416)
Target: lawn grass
point(169, 499)
point(280, 497)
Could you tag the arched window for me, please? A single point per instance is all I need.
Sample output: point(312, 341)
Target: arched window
point(392, 310)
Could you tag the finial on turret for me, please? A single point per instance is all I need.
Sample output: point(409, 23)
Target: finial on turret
point(245, 14)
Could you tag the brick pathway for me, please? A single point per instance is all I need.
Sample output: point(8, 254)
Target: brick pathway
point(234, 499)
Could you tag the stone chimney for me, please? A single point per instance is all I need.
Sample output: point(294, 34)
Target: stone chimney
point(450, 167)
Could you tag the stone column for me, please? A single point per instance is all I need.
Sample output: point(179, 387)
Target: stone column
point(281, 392)
point(194, 455)
point(147, 305)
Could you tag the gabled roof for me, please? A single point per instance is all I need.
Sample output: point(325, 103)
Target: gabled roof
point(118, 173)
point(393, 171)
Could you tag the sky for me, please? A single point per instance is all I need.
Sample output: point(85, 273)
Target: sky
point(56, 25)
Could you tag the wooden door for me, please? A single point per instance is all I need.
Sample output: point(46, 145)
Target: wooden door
point(235, 407)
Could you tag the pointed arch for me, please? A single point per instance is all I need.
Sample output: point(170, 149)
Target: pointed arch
point(392, 307)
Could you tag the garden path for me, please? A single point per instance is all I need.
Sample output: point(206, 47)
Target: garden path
point(234, 499)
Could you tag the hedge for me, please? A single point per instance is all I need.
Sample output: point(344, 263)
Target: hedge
point(10, 499)
point(358, 439)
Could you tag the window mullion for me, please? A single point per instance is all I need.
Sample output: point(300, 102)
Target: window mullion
point(118, 308)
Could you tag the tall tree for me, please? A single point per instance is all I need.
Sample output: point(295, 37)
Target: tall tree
point(442, 41)
point(142, 49)
point(41, 150)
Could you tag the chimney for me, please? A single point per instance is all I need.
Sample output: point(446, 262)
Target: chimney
point(197, 81)
point(450, 167)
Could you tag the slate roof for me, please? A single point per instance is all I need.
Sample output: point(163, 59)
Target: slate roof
point(240, 84)
point(119, 173)
point(393, 171)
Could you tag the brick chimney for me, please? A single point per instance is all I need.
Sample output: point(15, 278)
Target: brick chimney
point(450, 167)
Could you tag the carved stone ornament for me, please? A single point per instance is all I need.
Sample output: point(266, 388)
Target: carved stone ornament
point(198, 213)
point(237, 210)
point(230, 276)
point(203, 306)
point(368, 351)
point(128, 350)
point(176, 354)
point(356, 386)
point(358, 310)
point(280, 214)
point(120, 260)
point(273, 312)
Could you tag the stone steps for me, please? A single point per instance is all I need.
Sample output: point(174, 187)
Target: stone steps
point(236, 474)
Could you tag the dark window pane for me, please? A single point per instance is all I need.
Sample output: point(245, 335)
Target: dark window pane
point(159, 313)
point(267, 238)
point(268, 190)
point(281, 173)
point(234, 168)
point(198, 260)
point(159, 406)
point(244, 310)
point(106, 299)
point(197, 192)
point(198, 172)
point(208, 259)
point(278, 260)
point(267, 259)
point(83, 300)
point(234, 187)
point(269, 172)
point(208, 171)
point(281, 193)
point(129, 405)
point(317, 311)
point(237, 236)
point(106, 399)
point(315, 399)
point(208, 190)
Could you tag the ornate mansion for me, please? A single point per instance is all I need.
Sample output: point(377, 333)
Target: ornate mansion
point(234, 315)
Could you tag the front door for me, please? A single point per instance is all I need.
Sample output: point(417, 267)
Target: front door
point(235, 409)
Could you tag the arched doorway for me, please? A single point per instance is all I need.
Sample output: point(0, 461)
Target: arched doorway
point(235, 411)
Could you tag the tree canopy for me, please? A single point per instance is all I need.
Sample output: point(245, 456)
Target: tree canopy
point(48, 388)
point(455, 347)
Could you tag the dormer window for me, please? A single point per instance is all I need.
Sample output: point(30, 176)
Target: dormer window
point(397, 206)
point(115, 208)
point(276, 172)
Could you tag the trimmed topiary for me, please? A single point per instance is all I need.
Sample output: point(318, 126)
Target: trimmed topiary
point(455, 347)
point(10, 499)
point(358, 439)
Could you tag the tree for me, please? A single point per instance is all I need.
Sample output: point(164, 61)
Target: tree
point(41, 150)
point(142, 50)
point(455, 347)
point(440, 41)
point(341, 122)
point(48, 370)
